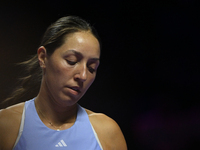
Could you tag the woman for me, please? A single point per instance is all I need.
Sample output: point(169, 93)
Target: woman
point(67, 59)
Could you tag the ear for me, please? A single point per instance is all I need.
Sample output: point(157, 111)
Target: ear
point(42, 54)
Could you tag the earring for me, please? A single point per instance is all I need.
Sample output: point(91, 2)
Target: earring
point(42, 65)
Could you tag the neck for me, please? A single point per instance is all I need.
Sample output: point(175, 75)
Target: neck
point(58, 115)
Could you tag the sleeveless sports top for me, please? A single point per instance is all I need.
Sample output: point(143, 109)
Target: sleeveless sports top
point(35, 135)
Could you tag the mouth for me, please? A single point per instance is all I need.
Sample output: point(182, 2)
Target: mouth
point(77, 89)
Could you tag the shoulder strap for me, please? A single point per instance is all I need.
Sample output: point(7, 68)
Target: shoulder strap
point(96, 136)
point(21, 127)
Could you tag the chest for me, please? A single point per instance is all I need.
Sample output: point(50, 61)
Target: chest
point(36, 135)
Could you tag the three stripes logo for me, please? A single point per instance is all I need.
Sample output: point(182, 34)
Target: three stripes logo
point(61, 144)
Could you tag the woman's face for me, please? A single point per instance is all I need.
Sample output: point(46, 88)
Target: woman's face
point(72, 68)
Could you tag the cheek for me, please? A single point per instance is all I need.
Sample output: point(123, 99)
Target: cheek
point(57, 73)
point(90, 81)
point(63, 75)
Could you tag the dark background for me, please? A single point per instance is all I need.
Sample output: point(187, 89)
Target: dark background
point(148, 80)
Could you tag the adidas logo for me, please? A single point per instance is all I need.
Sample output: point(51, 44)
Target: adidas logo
point(61, 144)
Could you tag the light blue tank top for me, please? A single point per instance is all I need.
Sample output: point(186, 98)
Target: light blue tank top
point(35, 135)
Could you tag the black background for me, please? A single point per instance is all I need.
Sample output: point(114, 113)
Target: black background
point(148, 80)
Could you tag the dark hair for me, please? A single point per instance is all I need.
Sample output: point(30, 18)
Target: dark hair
point(53, 38)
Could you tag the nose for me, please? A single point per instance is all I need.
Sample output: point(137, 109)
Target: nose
point(81, 74)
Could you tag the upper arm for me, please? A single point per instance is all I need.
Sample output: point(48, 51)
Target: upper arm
point(5, 122)
point(109, 132)
point(116, 136)
point(9, 126)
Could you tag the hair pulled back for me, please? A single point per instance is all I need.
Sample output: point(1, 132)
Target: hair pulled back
point(53, 38)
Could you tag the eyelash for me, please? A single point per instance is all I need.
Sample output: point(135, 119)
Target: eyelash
point(91, 69)
point(73, 63)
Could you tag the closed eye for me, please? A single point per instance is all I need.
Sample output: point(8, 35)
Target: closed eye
point(93, 65)
point(91, 69)
point(71, 62)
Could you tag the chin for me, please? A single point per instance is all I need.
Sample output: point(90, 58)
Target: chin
point(68, 101)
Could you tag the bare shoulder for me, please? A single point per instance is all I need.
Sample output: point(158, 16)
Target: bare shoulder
point(10, 119)
point(108, 131)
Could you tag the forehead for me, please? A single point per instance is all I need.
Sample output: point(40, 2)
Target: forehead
point(82, 42)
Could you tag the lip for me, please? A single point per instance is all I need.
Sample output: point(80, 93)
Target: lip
point(75, 90)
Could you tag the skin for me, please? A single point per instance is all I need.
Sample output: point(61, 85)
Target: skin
point(67, 75)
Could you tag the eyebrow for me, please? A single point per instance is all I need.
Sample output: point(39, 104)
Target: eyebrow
point(80, 54)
